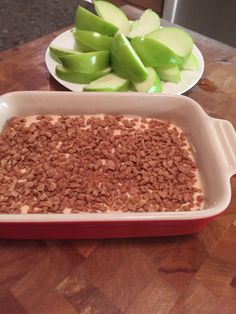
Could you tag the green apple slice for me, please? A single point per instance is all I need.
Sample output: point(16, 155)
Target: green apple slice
point(176, 39)
point(108, 83)
point(88, 21)
point(148, 22)
point(125, 61)
point(110, 13)
point(117, 67)
point(133, 25)
point(86, 62)
point(92, 41)
point(151, 85)
point(169, 74)
point(153, 53)
point(57, 52)
point(77, 77)
point(191, 63)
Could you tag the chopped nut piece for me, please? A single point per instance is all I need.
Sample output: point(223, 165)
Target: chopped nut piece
point(110, 164)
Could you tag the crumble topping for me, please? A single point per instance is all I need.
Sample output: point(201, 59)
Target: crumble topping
point(100, 163)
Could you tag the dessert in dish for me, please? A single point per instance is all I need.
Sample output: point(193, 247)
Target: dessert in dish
point(97, 163)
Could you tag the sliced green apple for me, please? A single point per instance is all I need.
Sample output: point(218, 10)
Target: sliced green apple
point(57, 52)
point(110, 13)
point(148, 22)
point(133, 25)
point(92, 41)
point(117, 67)
point(191, 63)
point(153, 53)
point(169, 74)
point(151, 85)
point(77, 77)
point(86, 62)
point(86, 20)
point(176, 39)
point(125, 61)
point(108, 83)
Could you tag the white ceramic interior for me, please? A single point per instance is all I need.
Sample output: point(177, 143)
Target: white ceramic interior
point(213, 141)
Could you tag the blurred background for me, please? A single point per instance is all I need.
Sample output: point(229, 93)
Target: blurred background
point(213, 18)
point(24, 20)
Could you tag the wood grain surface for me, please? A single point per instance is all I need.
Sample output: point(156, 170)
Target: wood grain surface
point(186, 274)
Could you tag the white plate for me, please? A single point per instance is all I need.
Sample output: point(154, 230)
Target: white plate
point(188, 78)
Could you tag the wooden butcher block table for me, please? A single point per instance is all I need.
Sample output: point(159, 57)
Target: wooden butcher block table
point(186, 274)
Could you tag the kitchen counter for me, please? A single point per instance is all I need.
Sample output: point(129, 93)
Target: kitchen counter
point(186, 274)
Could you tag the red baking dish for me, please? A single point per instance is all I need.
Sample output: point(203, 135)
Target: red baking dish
point(213, 142)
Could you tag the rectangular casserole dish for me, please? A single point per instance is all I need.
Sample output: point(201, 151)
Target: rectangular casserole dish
point(213, 141)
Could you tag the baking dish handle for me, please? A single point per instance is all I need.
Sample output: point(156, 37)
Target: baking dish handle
point(226, 136)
